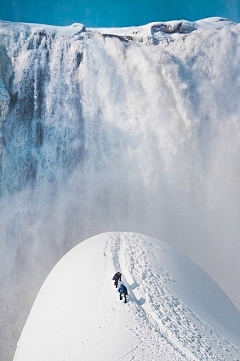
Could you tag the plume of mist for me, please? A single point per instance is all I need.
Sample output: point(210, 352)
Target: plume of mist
point(101, 136)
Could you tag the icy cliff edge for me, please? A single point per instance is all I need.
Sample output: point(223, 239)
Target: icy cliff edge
point(153, 31)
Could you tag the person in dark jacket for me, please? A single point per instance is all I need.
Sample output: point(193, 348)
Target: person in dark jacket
point(123, 292)
point(117, 277)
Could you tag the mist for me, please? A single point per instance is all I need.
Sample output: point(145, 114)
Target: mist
point(99, 135)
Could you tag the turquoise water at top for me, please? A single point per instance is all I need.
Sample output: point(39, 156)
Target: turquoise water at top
point(109, 13)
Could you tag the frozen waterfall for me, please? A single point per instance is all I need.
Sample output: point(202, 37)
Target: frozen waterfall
point(124, 130)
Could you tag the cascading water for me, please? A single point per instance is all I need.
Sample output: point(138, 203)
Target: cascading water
point(102, 133)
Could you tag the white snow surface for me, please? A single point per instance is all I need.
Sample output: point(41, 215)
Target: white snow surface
point(170, 29)
point(174, 310)
point(176, 141)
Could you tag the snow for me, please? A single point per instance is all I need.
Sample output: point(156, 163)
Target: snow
point(124, 128)
point(69, 31)
point(174, 311)
point(171, 29)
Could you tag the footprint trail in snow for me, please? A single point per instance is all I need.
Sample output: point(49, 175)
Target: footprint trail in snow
point(175, 312)
point(162, 318)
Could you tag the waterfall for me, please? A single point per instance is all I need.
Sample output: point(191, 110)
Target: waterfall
point(105, 133)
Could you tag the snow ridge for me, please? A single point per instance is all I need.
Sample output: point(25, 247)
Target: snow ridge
point(155, 324)
point(189, 337)
point(150, 33)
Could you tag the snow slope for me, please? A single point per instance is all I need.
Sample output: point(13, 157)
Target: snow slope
point(160, 103)
point(175, 311)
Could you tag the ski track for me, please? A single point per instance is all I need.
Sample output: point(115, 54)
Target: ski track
point(164, 322)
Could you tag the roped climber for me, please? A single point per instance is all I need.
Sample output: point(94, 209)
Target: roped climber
point(117, 277)
point(123, 292)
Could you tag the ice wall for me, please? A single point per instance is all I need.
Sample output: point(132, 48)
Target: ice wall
point(132, 131)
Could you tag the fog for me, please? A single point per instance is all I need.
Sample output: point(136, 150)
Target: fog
point(100, 135)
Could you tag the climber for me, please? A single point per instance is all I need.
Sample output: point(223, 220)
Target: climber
point(123, 292)
point(117, 277)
